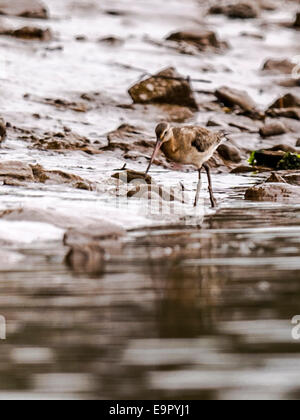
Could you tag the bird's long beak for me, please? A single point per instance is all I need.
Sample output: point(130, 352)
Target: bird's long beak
point(156, 149)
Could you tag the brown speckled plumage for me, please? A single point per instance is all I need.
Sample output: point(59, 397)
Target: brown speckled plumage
point(188, 145)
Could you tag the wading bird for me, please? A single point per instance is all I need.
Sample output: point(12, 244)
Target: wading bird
point(189, 145)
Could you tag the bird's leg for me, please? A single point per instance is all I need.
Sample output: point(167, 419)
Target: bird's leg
point(198, 188)
point(210, 189)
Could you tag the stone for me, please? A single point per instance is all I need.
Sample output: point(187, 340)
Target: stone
point(202, 40)
point(273, 129)
point(60, 141)
point(243, 169)
point(29, 33)
point(166, 87)
point(155, 192)
point(16, 170)
point(33, 9)
point(274, 192)
point(230, 153)
point(282, 148)
point(86, 258)
point(129, 175)
point(127, 137)
point(2, 130)
point(274, 177)
point(279, 66)
point(19, 173)
point(287, 101)
point(231, 97)
point(267, 158)
point(293, 113)
point(240, 10)
point(297, 21)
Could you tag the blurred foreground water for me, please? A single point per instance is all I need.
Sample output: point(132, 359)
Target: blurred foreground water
point(179, 313)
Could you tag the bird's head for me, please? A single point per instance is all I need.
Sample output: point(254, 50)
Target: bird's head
point(163, 134)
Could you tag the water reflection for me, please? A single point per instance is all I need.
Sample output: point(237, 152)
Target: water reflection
point(177, 314)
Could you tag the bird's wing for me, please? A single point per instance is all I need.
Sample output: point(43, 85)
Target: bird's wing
point(200, 138)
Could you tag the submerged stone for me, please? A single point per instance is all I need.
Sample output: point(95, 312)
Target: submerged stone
point(274, 192)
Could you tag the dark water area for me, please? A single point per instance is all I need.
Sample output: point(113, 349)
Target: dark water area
point(179, 313)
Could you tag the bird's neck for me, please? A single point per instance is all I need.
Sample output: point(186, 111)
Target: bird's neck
point(170, 147)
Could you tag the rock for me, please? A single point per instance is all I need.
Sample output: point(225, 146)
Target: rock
point(274, 177)
point(112, 41)
point(254, 35)
point(293, 113)
point(297, 21)
point(64, 104)
point(277, 159)
point(61, 141)
point(290, 178)
point(240, 10)
point(2, 130)
point(128, 176)
point(287, 101)
point(87, 259)
point(202, 40)
point(243, 169)
point(166, 87)
point(16, 170)
point(231, 97)
point(290, 82)
point(100, 231)
point(12, 171)
point(273, 129)
point(176, 113)
point(235, 123)
point(266, 158)
point(268, 5)
point(274, 192)
point(33, 9)
point(30, 33)
point(213, 122)
point(293, 178)
point(127, 137)
point(57, 177)
point(279, 66)
point(154, 192)
point(298, 143)
point(289, 161)
point(286, 106)
point(283, 148)
point(229, 152)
